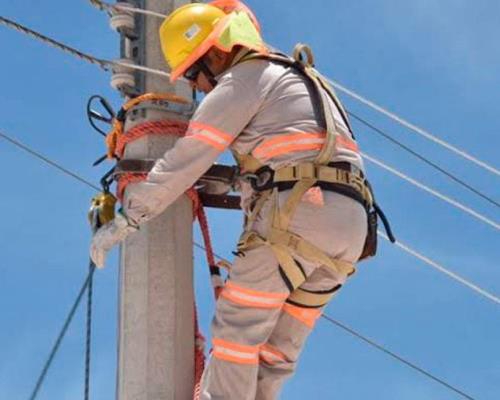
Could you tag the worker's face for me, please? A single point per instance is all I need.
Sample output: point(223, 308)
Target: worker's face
point(217, 61)
point(201, 83)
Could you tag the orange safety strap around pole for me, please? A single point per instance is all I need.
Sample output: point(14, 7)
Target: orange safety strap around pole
point(113, 138)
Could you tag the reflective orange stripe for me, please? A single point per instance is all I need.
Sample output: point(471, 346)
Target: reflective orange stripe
point(270, 355)
point(290, 138)
point(289, 143)
point(346, 143)
point(284, 144)
point(253, 298)
point(290, 149)
point(307, 316)
point(209, 135)
point(235, 352)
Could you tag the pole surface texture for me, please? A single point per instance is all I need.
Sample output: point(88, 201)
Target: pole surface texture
point(156, 328)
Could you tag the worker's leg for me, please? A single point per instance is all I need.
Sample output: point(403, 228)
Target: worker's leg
point(339, 228)
point(279, 356)
point(246, 314)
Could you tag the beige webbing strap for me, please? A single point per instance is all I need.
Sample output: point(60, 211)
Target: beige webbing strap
point(326, 153)
point(293, 273)
point(309, 251)
point(247, 162)
point(335, 99)
point(283, 215)
point(307, 299)
point(325, 173)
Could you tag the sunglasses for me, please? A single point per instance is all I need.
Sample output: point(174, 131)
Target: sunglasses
point(193, 72)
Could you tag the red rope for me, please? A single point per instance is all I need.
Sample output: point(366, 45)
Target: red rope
point(165, 127)
point(177, 128)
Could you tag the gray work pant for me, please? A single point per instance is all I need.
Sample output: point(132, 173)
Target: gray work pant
point(257, 336)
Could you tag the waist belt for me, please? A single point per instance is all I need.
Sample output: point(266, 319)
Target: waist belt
point(339, 177)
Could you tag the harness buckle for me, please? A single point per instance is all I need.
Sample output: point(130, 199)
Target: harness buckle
point(262, 179)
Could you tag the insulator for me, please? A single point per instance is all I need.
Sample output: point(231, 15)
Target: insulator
point(123, 79)
point(123, 22)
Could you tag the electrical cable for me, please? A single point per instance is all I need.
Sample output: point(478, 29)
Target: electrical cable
point(414, 128)
point(396, 356)
point(379, 347)
point(442, 269)
point(105, 65)
point(424, 159)
point(112, 8)
point(61, 335)
point(433, 192)
point(66, 171)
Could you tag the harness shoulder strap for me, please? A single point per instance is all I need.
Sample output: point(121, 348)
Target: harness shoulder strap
point(306, 69)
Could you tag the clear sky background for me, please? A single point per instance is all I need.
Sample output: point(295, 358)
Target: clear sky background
point(436, 63)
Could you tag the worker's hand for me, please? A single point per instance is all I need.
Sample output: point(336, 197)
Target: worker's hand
point(109, 235)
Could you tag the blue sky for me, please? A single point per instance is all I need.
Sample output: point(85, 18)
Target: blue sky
point(435, 63)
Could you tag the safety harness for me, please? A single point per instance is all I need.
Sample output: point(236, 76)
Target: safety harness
point(339, 177)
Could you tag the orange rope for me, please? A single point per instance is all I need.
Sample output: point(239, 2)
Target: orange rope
point(114, 137)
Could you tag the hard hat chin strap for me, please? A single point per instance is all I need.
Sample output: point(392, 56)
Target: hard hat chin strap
point(207, 72)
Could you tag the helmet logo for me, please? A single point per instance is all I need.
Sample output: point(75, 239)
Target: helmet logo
point(192, 32)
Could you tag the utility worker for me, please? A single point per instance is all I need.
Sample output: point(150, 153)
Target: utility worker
point(302, 183)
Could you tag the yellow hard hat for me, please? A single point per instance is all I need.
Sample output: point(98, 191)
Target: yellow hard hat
point(191, 30)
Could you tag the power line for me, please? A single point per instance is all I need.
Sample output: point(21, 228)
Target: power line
point(112, 8)
point(61, 46)
point(442, 269)
point(403, 247)
point(424, 159)
point(46, 160)
point(105, 65)
point(61, 335)
point(395, 356)
point(433, 192)
point(415, 128)
point(378, 346)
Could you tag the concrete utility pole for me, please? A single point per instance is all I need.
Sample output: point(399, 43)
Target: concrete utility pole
point(156, 332)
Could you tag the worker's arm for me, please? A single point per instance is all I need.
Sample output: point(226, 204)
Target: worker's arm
point(221, 116)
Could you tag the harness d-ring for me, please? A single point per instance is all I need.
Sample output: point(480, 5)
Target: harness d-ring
point(303, 54)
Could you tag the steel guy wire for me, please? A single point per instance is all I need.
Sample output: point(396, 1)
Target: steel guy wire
point(36, 154)
point(379, 347)
point(424, 159)
point(405, 248)
point(442, 269)
point(433, 192)
point(61, 335)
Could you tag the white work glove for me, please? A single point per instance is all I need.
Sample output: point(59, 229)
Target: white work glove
point(109, 235)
